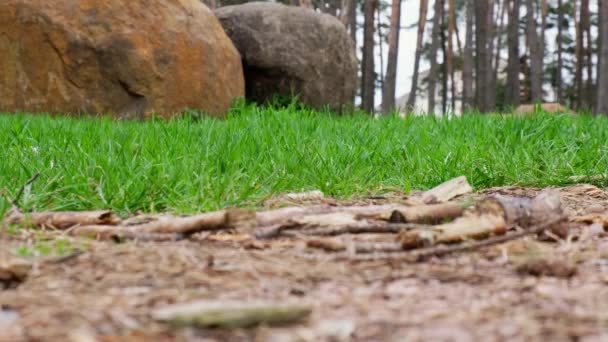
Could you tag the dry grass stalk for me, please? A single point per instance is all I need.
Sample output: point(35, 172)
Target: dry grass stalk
point(440, 250)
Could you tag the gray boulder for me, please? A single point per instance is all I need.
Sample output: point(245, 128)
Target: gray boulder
point(292, 51)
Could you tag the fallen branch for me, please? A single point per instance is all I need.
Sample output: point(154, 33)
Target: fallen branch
point(431, 213)
point(120, 233)
point(168, 228)
point(523, 211)
point(440, 250)
point(60, 220)
point(232, 314)
point(357, 219)
point(373, 228)
point(462, 229)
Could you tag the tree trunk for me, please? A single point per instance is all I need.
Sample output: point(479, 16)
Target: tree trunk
point(586, 25)
point(444, 70)
point(578, 74)
point(432, 79)
point(450, 52)
point(380, 42)
point(560, 60)
point(513, 90)
point(498, 32)
point(345, 16)
point(467, 66)
point(388, 95)
point(353, 22)
point(602, 82)
point(368, 77)
point(544, 12)
point(536, 57)
point(483, 63)
point(411, 100)
point(495, 48)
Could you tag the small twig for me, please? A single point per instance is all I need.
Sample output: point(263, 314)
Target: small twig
point(421, 254)
point(15, 201)
point(67, 257)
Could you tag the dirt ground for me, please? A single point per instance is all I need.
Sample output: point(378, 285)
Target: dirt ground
point(106, 291)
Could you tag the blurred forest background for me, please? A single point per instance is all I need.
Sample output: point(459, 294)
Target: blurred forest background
point(480, 55)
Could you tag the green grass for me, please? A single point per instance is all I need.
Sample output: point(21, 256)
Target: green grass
point(191, 165)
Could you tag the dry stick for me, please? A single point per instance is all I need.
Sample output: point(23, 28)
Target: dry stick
point(287, 218)
point(167, 228)
point(150, 237)
point(120, 233)
point(376, 228)
point(421, 254)
point(62, 219)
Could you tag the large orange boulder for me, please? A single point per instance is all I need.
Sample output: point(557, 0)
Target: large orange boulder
point(129, 58)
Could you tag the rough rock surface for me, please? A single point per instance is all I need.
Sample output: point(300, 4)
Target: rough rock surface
point(125, 58)
point(292, 51)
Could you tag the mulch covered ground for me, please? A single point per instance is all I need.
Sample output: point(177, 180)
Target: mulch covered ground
point(526, 289)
